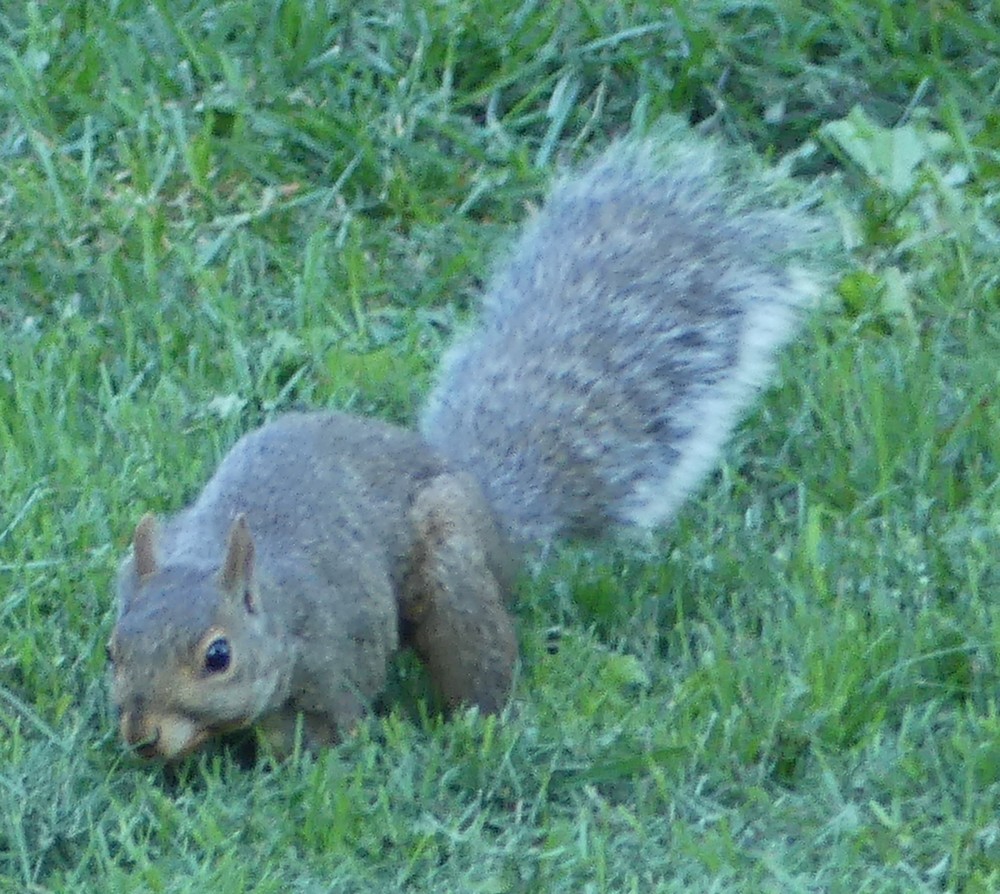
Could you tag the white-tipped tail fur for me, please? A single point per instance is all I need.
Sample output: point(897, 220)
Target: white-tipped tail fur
point(621, 339)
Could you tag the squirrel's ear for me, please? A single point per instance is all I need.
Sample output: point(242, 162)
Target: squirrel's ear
point(144, 545)
point(237, 567)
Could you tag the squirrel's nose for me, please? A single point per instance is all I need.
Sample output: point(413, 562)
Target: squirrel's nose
point(139, 734)
point(147, 748)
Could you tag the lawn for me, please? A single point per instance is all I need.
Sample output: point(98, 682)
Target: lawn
point(211, 212)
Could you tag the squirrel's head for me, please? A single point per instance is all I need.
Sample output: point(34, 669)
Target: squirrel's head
point(191, 655)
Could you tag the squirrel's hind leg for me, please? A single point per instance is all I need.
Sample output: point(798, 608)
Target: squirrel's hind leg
point(454, 593)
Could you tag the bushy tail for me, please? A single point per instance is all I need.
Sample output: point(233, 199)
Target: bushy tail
point(621, 339)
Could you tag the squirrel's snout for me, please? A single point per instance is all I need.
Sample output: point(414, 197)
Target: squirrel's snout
point(137, 733)
point(147, 749)
point(140, 731)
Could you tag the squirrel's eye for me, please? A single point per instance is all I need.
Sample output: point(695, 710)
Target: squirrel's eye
point(217, 655)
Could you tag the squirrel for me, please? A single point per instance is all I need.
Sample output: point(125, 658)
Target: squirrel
point(620, 339)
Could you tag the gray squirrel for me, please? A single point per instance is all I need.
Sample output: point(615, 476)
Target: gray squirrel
point(621, 337)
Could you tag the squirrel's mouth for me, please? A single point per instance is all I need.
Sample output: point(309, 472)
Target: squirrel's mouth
point(147, 750)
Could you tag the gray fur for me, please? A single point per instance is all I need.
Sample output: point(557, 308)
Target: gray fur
point(631, 324)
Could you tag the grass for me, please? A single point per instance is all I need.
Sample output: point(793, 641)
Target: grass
point(212, 212)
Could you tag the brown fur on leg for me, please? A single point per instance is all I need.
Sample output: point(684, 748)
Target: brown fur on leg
point(454, 595)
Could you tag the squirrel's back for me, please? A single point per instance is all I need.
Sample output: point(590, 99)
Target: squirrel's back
point(306, 478)
point(628, 328)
